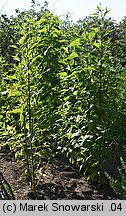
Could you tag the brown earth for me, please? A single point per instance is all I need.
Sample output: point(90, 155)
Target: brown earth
point(60, 181)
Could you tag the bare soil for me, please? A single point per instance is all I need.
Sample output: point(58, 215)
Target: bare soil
point(60, 181)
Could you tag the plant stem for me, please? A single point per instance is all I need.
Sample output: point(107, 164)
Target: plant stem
point(30, 131)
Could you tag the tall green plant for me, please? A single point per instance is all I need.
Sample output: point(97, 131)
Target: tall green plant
point(33, 89)
point(87, 97)
point(60, 90)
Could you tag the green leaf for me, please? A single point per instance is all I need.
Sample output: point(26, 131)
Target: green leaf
point(13, 77)
point(97, 44)
point(106, 12)
point(75, 43)
point(63, 74)
point(69, 135)
point(91, 35)
point(21, 118)
point(1, 116)
point(38, 57)
point(21, 41)
point(85, 36)
point(19, 110)
point(96, 30)
point(73, 55)
point(65, 50)
point(43, 19)
point(14, 46)
point(43, 30)
point(13, 93)
point(75, 93)
point(99, 7)
point(16, 58)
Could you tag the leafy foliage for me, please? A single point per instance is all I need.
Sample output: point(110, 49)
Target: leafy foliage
point(119, 185)
point(61, 89)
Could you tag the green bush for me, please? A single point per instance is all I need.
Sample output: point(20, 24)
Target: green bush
point(119, 185)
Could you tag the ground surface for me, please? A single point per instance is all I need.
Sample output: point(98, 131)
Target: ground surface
point(61, 181)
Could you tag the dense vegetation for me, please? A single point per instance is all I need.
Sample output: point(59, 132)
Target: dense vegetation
point(62, 88)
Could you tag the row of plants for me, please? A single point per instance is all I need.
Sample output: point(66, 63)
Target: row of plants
point(62, 88)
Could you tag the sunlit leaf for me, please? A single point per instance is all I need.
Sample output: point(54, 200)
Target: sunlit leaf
point(75, 43)
point(14, 46)
point(16, 111)
point(73, 55)
point(97, 44)
point(16, 58)
point(21, 41)
point(63, 74)
point(13, 93)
